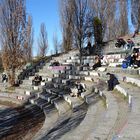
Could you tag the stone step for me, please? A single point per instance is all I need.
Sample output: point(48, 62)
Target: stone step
point(124, 71)
point(106, 123)
point(129, 79)
point(73, 101)
point(27, 81)
point(133, 122)
point(57, 80)
point(41, 102)
point(26, 86)
point(47, 96)
point(48, 109)
point(45, 74)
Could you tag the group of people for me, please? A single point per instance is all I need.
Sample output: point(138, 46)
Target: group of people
point(80, 87)
point(132, 60)
point(55, 63)
point(37, 80)
point(126, 44)
point(88, 50)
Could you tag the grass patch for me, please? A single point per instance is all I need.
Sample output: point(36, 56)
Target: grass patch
point(103, 101)
point(115, 91)
point(132, 84)
point(8, 103)
point(9, 89)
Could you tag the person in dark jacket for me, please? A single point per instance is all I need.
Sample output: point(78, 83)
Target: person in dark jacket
point(112, 82)
point(97, 63)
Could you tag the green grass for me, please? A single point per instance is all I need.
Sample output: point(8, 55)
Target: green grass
point(104, 102)
point(120, 94)
point(8, 103)
point(10, 89)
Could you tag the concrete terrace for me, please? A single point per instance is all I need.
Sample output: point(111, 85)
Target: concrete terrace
point(48, 112)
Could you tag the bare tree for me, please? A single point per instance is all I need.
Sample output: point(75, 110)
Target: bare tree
point(82, 22)
point(110, 17)
point(105, 10)
point(29, 40)
point(99, 8)
point(43, 41)
point(123, 19)
point(55, 43)
point(66, 16)
point(135, 14)
point(13, 32)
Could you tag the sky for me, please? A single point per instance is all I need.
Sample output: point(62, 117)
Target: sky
point(44, 11)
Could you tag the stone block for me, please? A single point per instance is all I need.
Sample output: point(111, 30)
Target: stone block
point(89, 79)
point(32, 101)
point(77, 77)
point(43, 83)
point(56, 75)
point(115, 64)
point(85, 68)
point(49, 79)
point(71, 76)
point(121, 90)
point(133, 81)
point(84, 72)
point(20, 98)
point(67, 98)
point(74, 57)
point(31, 77)
point(36, 87)
point(28, 93)
point(69, 61)
point(102, 69)
point(94, 73)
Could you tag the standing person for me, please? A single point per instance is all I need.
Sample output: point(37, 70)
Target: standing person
point(88, 48)
point(112, 82)
point(4, 78)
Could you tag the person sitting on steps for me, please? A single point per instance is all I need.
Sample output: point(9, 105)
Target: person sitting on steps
point(55, 63)
point(135, 58)
point(112, 82)
point(78, 89)
point(97, 63)
point(37, 80)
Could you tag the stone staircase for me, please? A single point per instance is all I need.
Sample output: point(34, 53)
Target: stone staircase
point(86, 117)
point(110, 99)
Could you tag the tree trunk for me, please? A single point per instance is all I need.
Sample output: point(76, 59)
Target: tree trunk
point(11, 77)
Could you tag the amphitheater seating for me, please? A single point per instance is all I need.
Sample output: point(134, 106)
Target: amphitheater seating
point(53, 97)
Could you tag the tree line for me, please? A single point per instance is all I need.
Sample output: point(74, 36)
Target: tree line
point(101, 20)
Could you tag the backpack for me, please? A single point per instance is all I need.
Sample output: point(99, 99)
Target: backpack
point(125, 64)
